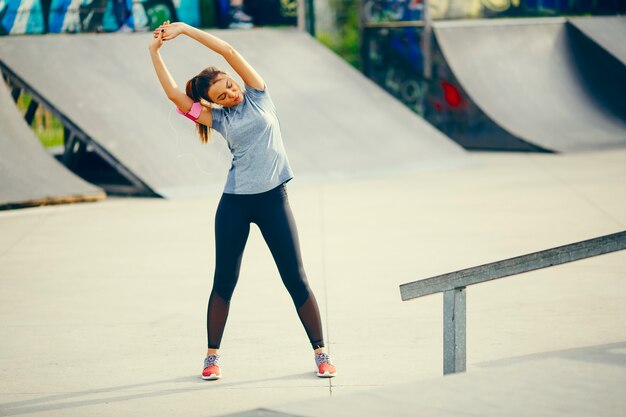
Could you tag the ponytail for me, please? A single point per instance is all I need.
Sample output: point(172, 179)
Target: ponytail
point(196, 89)
point(191, 89)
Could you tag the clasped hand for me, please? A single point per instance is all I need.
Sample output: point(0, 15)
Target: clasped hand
point(167, 31)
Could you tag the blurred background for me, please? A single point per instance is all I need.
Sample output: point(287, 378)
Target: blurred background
point(392, 42)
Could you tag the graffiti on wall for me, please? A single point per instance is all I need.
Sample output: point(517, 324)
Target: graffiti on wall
point(72, 16)
point(392, 10)
point(408, 10)
point(19, 17)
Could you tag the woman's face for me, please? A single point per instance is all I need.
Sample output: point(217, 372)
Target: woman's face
point(225, 91)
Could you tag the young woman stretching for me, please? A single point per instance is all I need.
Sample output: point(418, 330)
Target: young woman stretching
point(255, 190)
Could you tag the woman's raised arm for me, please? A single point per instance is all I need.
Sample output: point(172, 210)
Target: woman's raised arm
point(235, 60)
point(165, 78)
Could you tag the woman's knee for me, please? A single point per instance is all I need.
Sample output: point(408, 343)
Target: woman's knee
point(299, 291)
point(224, 287)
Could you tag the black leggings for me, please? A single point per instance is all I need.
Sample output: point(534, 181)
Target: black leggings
point(272, 214)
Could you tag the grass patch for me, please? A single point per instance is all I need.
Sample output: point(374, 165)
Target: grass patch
point(48, 129)
point(345, 42)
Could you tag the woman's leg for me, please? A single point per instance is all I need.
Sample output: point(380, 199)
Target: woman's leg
point(232, 227)
point(276, 222)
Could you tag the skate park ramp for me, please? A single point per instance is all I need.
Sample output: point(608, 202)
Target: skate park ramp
point(609, 32)
point(523, 75)
point(28, 174)
point(335, 122)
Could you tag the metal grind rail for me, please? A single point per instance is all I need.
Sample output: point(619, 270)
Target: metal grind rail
point(453, 286)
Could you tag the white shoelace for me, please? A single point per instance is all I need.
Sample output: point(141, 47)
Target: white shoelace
point(212, 359)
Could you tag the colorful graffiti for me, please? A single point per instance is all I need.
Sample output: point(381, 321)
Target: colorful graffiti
point(19, 17)
point(392, 10)
point(395, 62)
point(73, 16)
point(376, 11)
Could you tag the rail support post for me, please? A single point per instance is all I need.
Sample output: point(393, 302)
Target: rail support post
point(454, 331)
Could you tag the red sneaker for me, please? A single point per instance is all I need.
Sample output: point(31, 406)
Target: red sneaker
point(211, 367)
point(325, 367)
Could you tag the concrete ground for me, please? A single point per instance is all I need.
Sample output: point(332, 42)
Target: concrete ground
point(566, 383)
point(102, 305)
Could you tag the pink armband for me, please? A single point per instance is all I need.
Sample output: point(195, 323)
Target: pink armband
point(193, 113)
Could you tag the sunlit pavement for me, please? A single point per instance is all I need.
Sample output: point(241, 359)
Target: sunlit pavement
point(102, 305)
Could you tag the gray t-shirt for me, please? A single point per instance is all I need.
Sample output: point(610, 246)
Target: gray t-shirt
point(252, 131)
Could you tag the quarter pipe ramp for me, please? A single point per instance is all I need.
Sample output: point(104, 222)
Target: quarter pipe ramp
point(521, 74)
point(28, 174)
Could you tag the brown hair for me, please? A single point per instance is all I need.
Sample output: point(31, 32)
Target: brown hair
point(197, 89)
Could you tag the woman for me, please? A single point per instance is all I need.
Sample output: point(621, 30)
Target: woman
point(255, 190)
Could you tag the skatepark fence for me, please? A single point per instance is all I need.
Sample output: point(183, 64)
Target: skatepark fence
point(454, 284)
